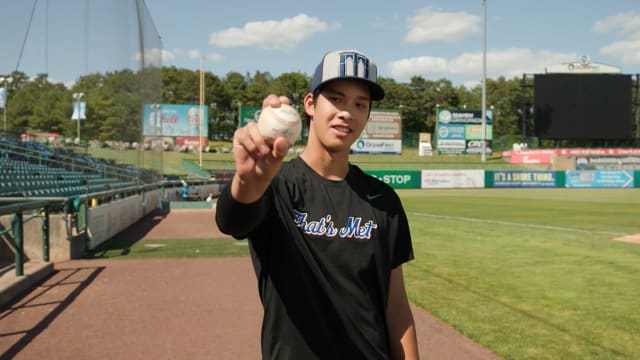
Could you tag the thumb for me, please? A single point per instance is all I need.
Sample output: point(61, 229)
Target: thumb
point(280, 147)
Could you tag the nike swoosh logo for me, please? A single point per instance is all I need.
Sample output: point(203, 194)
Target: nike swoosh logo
point(373, 196)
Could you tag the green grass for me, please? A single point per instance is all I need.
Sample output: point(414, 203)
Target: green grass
point(171, 162)
point(530, 274)
point(171, 248)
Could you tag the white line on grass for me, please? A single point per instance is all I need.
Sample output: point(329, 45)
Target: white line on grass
point(536, 226)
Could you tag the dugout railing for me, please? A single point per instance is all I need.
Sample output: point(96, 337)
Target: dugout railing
point(13, 235)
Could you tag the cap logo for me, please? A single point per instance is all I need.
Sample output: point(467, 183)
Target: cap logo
point(354, 64)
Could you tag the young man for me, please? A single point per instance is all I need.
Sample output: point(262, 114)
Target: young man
point(327, 241)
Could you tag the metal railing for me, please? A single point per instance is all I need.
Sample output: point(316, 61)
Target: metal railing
point(17, 226)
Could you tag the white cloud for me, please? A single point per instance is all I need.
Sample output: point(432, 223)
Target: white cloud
point(215, 57)
point(502, 62)
point(623, 23)
point(193, 54)
point(430, 25)
point(283, 34)
point(626, 50)
point(168, 56)
point(156, 56)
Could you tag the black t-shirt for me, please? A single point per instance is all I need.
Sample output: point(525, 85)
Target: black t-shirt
point(323, 252)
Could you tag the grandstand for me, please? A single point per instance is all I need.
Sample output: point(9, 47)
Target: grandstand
point(29, 173)
point(56, 205)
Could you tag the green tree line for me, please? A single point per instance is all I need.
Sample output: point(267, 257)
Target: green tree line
point(114, 101)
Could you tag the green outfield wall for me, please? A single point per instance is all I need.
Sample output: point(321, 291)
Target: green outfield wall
point(428, 179)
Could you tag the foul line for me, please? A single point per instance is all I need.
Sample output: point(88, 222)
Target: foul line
point(535, 226)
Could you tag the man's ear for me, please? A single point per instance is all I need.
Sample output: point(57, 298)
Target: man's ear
point(309, 104)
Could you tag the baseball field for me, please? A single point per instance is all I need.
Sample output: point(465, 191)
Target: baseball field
point(527, 273)
point(530, 274)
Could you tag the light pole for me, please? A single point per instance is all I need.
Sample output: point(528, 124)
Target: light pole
point(483, 156)
point(76, 110)
point(5, 97)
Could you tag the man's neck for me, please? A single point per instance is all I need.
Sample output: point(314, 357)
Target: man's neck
point(331, 166)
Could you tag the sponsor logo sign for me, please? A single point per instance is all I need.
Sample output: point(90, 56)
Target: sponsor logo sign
point(463, 125)
point(175, 120)
point(599, 179)
point(377, 146)
point(524, 179)
point(452, 179)
point(397, 178)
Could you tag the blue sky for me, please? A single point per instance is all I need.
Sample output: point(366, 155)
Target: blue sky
point(434, 39)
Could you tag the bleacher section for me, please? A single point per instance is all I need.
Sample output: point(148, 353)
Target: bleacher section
point(31, 171)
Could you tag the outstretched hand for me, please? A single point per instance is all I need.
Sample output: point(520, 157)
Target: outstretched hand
point(257, 159)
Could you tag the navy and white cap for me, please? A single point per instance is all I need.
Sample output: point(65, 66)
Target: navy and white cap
point(347, 64)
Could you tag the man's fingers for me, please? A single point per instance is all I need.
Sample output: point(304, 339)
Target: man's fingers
point(284, 100)
point(274, 100)
point(250, 139)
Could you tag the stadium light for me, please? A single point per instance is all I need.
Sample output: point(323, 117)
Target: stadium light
point(6, 81)
point(76, 107)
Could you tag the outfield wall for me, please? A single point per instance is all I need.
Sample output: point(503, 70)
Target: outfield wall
point(459, 179)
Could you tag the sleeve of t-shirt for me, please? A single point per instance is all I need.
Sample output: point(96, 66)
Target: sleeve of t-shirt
point(403, 249)
point(238, 219)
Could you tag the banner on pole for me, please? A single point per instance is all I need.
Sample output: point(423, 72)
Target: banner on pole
point(3, 97)
point(79, 108)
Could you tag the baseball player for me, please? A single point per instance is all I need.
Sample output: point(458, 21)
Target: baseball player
point(327, 241)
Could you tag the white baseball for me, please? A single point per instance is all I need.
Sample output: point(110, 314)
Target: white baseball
point(280, 121)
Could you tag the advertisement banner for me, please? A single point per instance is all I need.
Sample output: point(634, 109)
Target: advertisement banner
point(248, 113)
point(607, 162)
point(382, 135)
point(3, 97)
point(377, 146)
point(453, 116)
point(383, 124)
point(474, 132)
point(544, 156)
point(189, 141)
point(524, 179)
point(446, 146)
point(424, 144)
point(466, 127)
point(398, 179)
point(175, 120)
point(475, 147)
point(537, 158)
point(79, 109)
point(452, 179)
point(599, 179)
point(451, 131)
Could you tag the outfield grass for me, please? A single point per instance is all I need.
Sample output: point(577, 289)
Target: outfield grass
point(530, 274)
point(409, 160)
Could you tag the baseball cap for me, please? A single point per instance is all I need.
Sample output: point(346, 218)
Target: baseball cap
point(348, 64)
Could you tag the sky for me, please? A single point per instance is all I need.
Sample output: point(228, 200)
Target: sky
point(433, 39)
